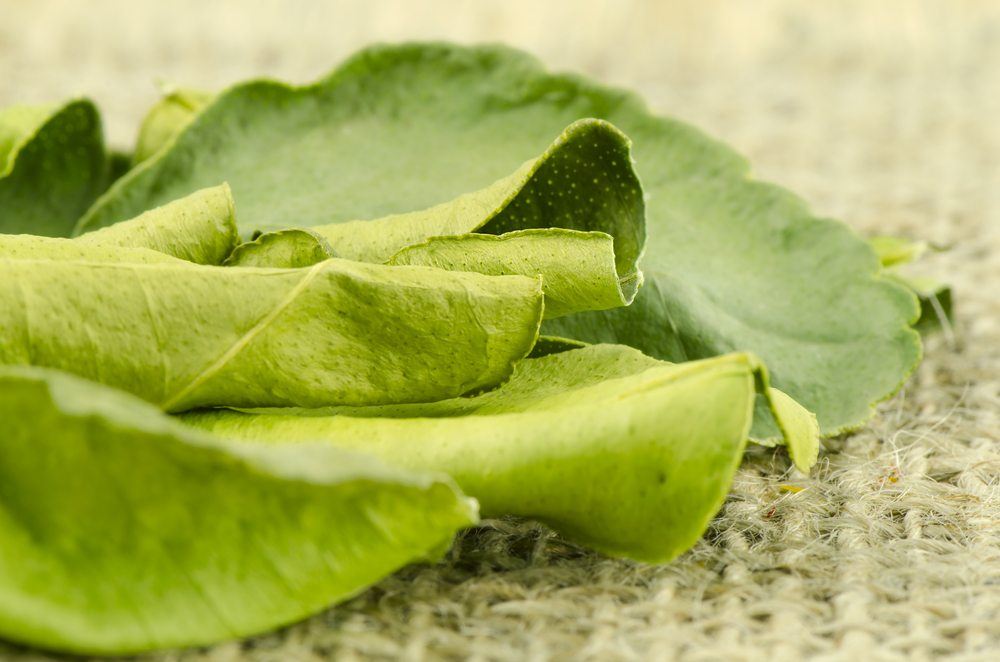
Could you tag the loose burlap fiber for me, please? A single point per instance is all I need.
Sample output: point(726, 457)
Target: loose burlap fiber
point(883, 114)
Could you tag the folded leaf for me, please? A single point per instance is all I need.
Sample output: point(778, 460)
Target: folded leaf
point(30, 247)
point(52, 166)
point(574, 215)
point(633, 466)
point(290, 248)
point(124, 531)
point(619, 451)
point(798, 426)
point(184, 335)
point(577, 268)
point(200, 228)
point(166, 119)
point(730, 264)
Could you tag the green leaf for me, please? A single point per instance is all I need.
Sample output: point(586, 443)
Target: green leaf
point(577, 268)
point(799, 428)
point(618, 451)
point(166, 119)
point(730, 264)
point(124, 531)
point(30, 247)
point(936, 308)
point(546, 345)
point(119, 162)
point(934, 296)
point(893, 251)
point(184, 335)
point(294, 247)
point(573, 215)
point(52, 166)
point(200, 227)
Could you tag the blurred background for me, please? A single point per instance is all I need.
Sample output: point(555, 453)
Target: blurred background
point(877, 112)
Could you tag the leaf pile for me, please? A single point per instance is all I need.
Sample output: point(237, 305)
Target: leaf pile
point(312, 331)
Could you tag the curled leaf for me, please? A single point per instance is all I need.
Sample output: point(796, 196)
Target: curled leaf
point(294, 247)
point(31, 247)
point(124, 531)
point(574, 215)
point(730, 264)
point(200, 228)
point(799, 428)
point(182, 335)
point(632, 467)
point(577, 268)
point(617, 450)
point(166, 119)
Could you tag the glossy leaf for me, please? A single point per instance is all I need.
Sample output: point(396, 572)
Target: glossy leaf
point(183, 335)
point(124, 531)
point(730, 264)
point(52, 166)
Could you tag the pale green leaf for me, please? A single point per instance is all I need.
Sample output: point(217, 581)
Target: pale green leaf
point(124, 531)
point(798, 426)
point(166, 119)
point(200, 227)
point(730, 264)
point(31, 247)
point(574, 215)
point(182, 335)
point(52, 166)
point(618, 451)
point(893, 251)
point(295, 247)
point(577, 268)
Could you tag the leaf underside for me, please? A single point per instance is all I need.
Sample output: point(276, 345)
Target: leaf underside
point(182, 335)
point(199, 228)
point(124, 531)
point(616, 450)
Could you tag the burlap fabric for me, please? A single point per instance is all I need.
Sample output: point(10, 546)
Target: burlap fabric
point(883, 114)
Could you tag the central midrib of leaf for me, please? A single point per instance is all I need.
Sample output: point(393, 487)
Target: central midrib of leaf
point(230, 352)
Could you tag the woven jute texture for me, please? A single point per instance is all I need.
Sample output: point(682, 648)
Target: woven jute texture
point(883, 114)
